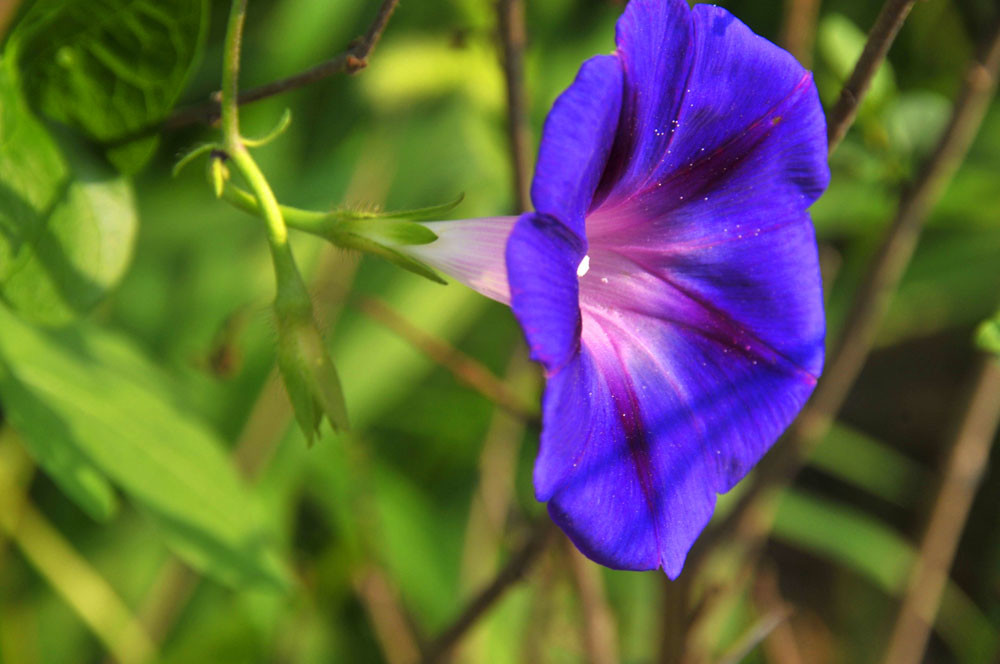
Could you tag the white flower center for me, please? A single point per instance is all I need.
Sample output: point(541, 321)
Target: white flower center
point(583, 267)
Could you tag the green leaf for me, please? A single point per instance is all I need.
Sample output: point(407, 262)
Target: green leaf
point(840, 42)
point(869, 548)
point(64, 464)
point(110, 67)
point(92, 395)
point(869, 464)
point(988, 335)
point(66, 231)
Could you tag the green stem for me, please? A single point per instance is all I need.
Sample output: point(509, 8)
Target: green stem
point(307, 221)
point(231, 73)
point(291, 290)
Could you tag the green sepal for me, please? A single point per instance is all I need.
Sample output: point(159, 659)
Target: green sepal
point(310, 378)
point(359, 231)
point(386, 231)
point(218, 174)
point(361, 243)
point(988, 335)
point(429, 213)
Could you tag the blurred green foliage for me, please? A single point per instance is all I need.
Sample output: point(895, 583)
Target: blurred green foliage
point(162, 364)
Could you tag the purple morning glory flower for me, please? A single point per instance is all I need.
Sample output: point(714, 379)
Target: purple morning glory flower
point(667, 280)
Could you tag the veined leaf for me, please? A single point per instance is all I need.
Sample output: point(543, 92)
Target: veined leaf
point(109, 67)
point(87, 394)
point(66, 233)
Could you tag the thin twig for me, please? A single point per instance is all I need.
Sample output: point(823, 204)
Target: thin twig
point(510, 24)
point(880, 38)
point(512, 572)
point(494, 497)
point(467, 370)
point(392, 627)
point(969, 454)
point(676, 620)
point(600, 633)
point(8, 8)
point(781, 645)
point(354, 59)
point(871, 301)
point(756, 634)
point(798, 31)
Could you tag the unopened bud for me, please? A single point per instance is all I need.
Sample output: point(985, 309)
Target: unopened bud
point(218, 173)
point(310, 377)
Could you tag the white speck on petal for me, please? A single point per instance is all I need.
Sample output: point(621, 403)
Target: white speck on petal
point(584, 266)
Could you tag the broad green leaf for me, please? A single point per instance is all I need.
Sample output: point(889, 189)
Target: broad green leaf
point(66, 231)
point(89, 392)
point(110, 67)
point(862, 544)
point(65, 464)
point(869, 464)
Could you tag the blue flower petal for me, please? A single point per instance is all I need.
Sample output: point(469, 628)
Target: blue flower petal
point(643, 427)
point(724, 86)
point(654, 39)
point(576, 141)
point(701, 315)
point(542, 259)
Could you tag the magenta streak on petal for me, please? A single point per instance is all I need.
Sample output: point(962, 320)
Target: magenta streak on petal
point(721, 328)
point(676, 247)
point(629, 414)
point(602, 220)
point(768, 116)
point(653, 356)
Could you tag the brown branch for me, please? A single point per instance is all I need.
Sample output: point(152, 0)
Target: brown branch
point(354, 59)
point(600, 633)
point(510, 24)
point(518, 566)
point(880, 38)
point(466, 369)
point(798, 30)
point(392, 628)
point(870, 303)
point(8, 8)
point(968, 458)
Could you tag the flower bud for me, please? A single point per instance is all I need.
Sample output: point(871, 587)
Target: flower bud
point(310, 377)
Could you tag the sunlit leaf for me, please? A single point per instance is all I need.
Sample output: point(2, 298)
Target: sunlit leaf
point(840, 42)
point(66, 230)
point(988, 335)
point(109, 67)
point(90, 392)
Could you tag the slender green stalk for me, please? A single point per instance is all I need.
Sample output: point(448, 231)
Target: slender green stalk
point(231, 73)
point(307, 221)
point(291, 290)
